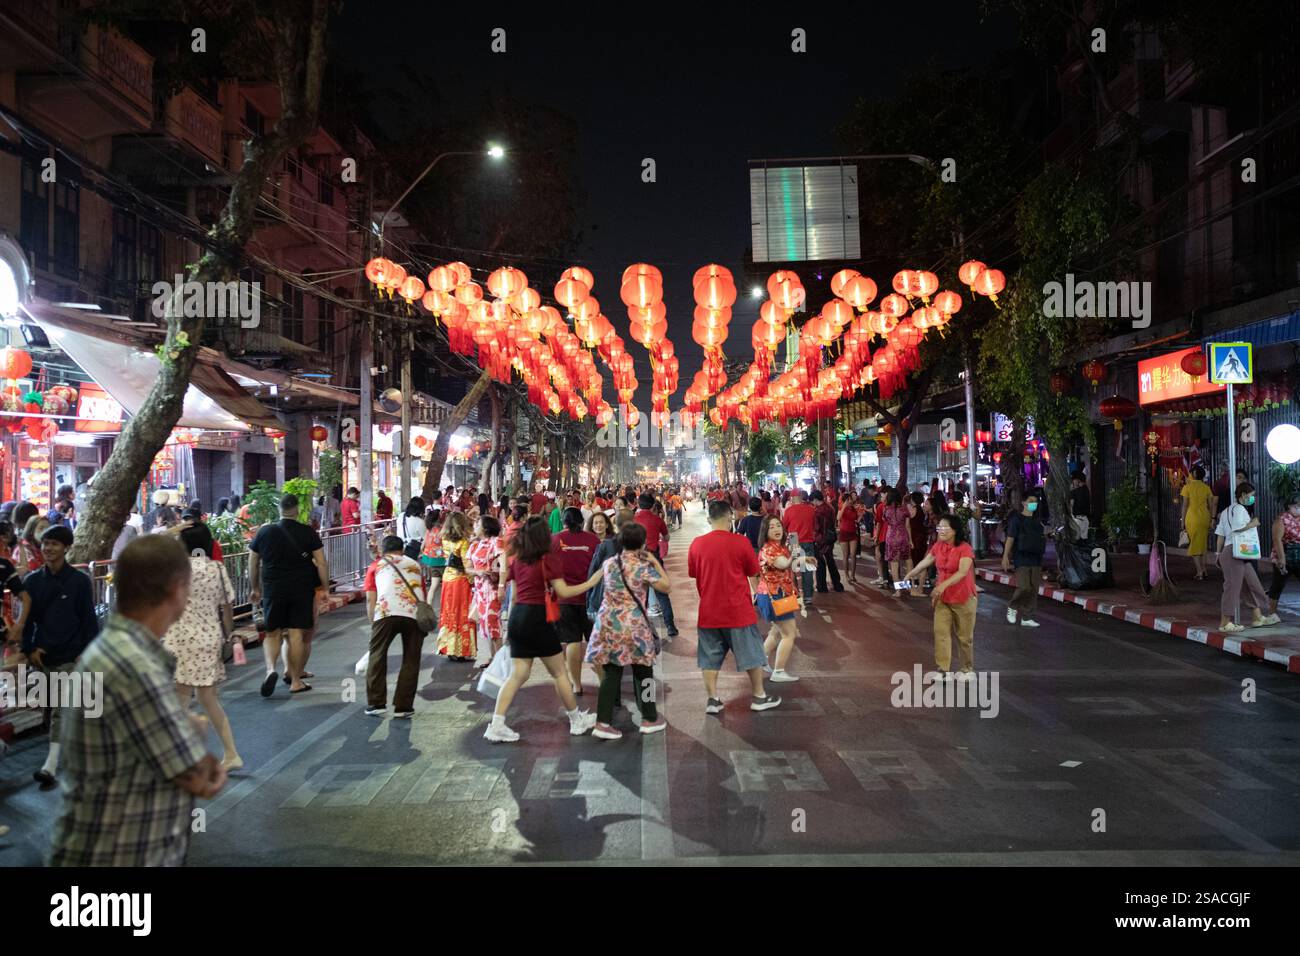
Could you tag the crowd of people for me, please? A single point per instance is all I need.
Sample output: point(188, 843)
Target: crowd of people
point(576, 579)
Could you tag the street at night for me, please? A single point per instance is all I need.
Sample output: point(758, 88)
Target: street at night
point(726, 440)
point(1092, 715)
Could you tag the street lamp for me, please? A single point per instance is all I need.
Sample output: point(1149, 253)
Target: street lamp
point(494, 151)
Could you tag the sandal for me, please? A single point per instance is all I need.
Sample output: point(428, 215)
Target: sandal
point(305, 686)
point(1231, 628)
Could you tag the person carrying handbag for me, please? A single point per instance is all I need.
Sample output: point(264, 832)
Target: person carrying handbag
point(1237, 550)
point(395, 609)
point(624, 634)
point(777, 598)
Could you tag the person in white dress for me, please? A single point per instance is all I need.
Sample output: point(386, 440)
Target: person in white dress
point(196, 639)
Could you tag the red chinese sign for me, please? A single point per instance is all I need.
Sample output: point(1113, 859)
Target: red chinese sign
point(97, 411)
point(1162, 379)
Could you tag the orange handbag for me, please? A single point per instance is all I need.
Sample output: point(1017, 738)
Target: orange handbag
point(785, 605)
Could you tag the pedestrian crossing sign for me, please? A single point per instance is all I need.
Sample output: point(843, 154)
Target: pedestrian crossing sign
point(1231, 363)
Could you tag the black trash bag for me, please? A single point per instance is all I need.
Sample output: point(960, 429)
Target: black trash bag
point(1075, 560)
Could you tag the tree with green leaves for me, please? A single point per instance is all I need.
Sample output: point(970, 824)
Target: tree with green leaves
point(286, 39)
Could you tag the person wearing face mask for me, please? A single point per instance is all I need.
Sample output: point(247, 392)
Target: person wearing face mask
point(1237, 549)
point(1026, 542)
point(954, 597)
point(1286, 549)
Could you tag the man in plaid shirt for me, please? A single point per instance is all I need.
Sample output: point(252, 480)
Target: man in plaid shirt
point(133, 772)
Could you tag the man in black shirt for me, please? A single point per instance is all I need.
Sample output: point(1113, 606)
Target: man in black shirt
point(60, 624)
point(286, 568)
point(1026, 542)
point(752, 522)
point(1080, 503)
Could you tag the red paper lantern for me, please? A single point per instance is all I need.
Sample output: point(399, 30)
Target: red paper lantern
point(1060, 383)
point(1094, 372)
point(969, 271)
point(1193, 363)
point(1117, 408)
point(319, 433)
point(14, 363)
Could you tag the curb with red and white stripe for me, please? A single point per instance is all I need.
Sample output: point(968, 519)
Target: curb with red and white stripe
point(1184, 629)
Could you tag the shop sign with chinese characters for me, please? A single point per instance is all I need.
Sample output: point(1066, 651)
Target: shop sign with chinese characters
point(1162, 379)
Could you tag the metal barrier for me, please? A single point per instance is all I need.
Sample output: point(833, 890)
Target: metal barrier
point(347, 556)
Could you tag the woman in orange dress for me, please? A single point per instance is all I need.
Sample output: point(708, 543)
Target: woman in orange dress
point(456, 633)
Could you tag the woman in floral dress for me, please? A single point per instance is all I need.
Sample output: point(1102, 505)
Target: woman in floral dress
point(456, 633)
point(776, 580)
point(621, 635)
point(898, 536)
point(487, 569)
point(196, 639)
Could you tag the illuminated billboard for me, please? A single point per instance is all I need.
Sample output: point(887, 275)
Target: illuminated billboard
point(804, 213)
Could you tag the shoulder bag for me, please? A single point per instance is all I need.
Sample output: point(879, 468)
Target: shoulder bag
point(426, 619)
point(1245, 544)
point(655, 629)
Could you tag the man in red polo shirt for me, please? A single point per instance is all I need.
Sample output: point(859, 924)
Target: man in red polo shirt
point(800, 518)
point(722, 564)
point(537, 502)
point(655, 529)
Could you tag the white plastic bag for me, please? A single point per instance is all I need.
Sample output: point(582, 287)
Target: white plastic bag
point(496, 673)
point(364, 663)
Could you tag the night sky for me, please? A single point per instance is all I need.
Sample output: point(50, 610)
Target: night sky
point(700, 94)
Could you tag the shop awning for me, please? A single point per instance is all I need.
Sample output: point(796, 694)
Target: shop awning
point(214, 400)
point(1279, 330)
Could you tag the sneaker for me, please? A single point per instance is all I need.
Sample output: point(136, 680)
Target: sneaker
point(582, 723)
point(654, 726)
point(783, 677)
point(876, 582)
point(606, 732)
point(376, 711)
point(839, 587)
point(1028, 623)
point(500, 734)
point(673, 632)
point(714, 706)
point(764, 703)
point(767, 669)
point(1011, 616)
point(404, 714)
point(1267, 620)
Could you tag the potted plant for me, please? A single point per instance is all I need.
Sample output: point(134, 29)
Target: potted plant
point(1283, 481)
point(1127, 515)
point(305, 489)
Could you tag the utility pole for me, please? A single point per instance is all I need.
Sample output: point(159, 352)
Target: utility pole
point(404, 479)
point(367, 359)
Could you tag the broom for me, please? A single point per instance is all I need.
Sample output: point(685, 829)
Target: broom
point(1162, 590)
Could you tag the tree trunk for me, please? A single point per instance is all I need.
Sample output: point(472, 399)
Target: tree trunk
point(298, 49)
point(433, 475)
point(1058, 492)
point(1013, 468)
point(901, 436)
point(489, 467)
point(516, 477)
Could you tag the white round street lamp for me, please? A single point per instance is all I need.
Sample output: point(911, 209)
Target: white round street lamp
point(1283, 444)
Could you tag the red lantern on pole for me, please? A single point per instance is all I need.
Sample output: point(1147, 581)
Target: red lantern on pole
point(1094, 372)
point(1060, 383)
point(319, 433)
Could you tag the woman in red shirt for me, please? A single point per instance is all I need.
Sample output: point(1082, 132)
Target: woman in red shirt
point(954, 597)
point(848, 534)
point(776, 580)
point(534, 567)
